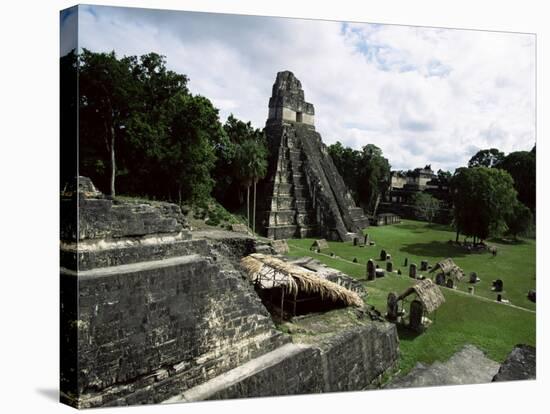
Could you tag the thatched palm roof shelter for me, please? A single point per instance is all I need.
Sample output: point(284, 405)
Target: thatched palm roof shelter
point(270, 272)
point(449, 268)
point(427, 292)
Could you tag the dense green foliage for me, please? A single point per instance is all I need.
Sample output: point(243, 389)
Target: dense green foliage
point(522, 167)
point(107, 100)
point(242, 162)
point(486, 158)
point(463, 319)
point(347, 162)
point(231, 175)
point(68, 114)
point(252, 157)
point(519, 220)
point(139, 121)
point(143, 133)
point(444, 177)
point(483, 198)
point(366, 173)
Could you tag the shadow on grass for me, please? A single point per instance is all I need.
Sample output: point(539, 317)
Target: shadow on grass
point(424, 227)
point(507, 241)
point(406, 334)
point(414, 228)
point(434, 249)
point(441, 227)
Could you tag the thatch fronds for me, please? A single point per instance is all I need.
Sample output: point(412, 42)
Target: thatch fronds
point(428, 293)
point(449, 268)
point(270, 272)
point(267, 276)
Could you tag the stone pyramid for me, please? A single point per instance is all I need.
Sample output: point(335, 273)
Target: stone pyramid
point(303, 194)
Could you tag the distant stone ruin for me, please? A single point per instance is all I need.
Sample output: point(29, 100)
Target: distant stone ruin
point(303, 193)
point(385, 219)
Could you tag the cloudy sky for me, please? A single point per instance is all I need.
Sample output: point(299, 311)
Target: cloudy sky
point(424, 95)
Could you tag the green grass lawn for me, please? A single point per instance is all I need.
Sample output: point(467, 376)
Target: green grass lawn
point(493, 327)
point(514, 263)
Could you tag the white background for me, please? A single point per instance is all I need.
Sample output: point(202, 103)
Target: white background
point(29, 204)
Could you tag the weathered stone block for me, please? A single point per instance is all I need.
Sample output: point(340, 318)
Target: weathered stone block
point(412, 271)
point(521, 364)
point(239, 228)
point(146, 317)
point(100, 218)
point(320, 244)
point(371, 270)
point(353, 359)
point(280, 246)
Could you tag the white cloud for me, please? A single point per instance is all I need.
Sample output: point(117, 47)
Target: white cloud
point(424, 95)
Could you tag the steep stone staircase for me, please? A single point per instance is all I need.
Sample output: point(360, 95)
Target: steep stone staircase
point(291, 209)
point(238, 382)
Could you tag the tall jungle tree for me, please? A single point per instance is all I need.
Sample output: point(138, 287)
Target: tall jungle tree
point(252, 162)
point(522, 167)
point(190, 156)
point(483, 198)
point(486, 158)
point(68, 112)
point(366, 173)
point(107, 97)
point(373, 177)
point(228, 173)
point(519, 220)
point(347, 162)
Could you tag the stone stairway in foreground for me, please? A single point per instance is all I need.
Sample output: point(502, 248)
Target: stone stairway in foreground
point(467, 366)
point(352, 359)
point(260, 377)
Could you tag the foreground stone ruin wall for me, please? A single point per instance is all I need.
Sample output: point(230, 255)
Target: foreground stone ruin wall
point(358, 357)
point(162, 327)
point(149, 313)
point(352, 360)
point(303, 193)
point(146, 329)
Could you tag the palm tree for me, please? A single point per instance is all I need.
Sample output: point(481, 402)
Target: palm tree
point(244, 171)
point(258, 170)
point(252, 161)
